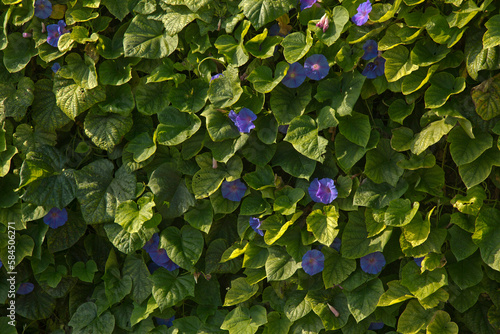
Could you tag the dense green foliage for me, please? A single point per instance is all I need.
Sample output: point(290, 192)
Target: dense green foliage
point(132, 137)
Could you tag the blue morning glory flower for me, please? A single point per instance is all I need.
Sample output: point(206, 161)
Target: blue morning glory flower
point(234, 190)
point(43, 9)
point(255, 224)
point(324, 23)
point(362, 16)
point(304, 4)
point(56, 218)
point(152, 244)
point(152, 267)
point(316, 67)
point(371, 49)
point(323, 191)
point(167, 322)
point(161, 258)
point(295, 76)
point(1, 264)
point(313, 262)
point(56, 67)
point(55, 31)
point(375, 68)
point(25, 288)
point(336, 244)
point(243, 120)
point(372, 263)
point(418, 260)
point(218, 75)
point(283, 128)
point(374, 326)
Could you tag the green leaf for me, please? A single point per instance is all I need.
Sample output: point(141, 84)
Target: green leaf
point(443, 85)
point(175, 126)
point(323, 224)
point(345, 97)
point(233, 50)
point(166, 71)
point(277, 323)
point(356, 128)
point(399, 213)
point(16, 102)
point(142, 147)
point(431, 134)
point(461, 243)
point(260, 12)
point(147, 38)
point(262, 46)
point(226, 90)
point(129, 243)
point(325, 303)
point(243, 320)
point(84, 271)
point(169, 288)
point(276, 226)
point(240, 291)
point(337, 268)
point(254, 205)
point(363, 300)
point(262, 77)
point(340, 17)
point(176, 18)
point(183, 246)
point(426, 52)
point(279, 265)
point(465, 150)
point(303, 135)
point(486, 236)
point(422, 285)
point(466, 273)
point(348, 153)
point(398, 63)
point(106, 129)
point(414, 318)
point(381, 164)
point(18, 52)
point(46, 113)
point(200, 216)
point(135, 268)
point(83, 72)
point(287, 199)
point(293, 162)
point(189, 96)
point(206, 181)
point(131, 216)
point(151, 98)
point(99, 192)
point(74, 99)
point(219, 126)
point(67, 235)
point(416, 80)
point(399, 110)
point(296, 45)
point(417, 231)
point(486, 98)
point(395, 294)
point(441, 324)
point(86, 318)
point(194, 5)
point(289, 103)
point(492, 36)
point(261, 178)
point(477, 171)
point(24, 245)
point(433, 243)
point(115, 71)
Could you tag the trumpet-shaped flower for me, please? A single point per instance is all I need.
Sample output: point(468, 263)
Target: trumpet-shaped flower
point(295, 76)
point(361, 16)
point(313, 262)
point(234, 190)
point(323, 191)
point(25, 288)
point(159, 255)
point(304, 4)
point(216, 76)
point(316, 67)
point(372, 263)
point(56, 67)
point(55, 31)
point(324, 23)
point(167, 322)
point(371, 49)
point(375, 68)
point(336, 244)
point(255, 224)
point(418, 260)
point(374, 326)
point(243, 120)
point(43, 9)
point(56, 218)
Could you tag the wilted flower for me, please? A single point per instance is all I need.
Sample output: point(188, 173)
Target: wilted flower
point(55, 31)
point(295, 76)
point(43, 9)
point(234, 190)
point(283, 24)
point(323, 191)
point(375, 68)
point(55, 67)
point(316, 67)
point(336, 244)
point(304, 4)
point(362, 16)
point(243, 120)
point(255, 224)
point(313, 262)
point(25, 288)
point(418, 260)
point(372, 263)
point(323, 23)
point(167, 322)
point(376, 326)
point(371, 49)
point(56, 218)
point(218, 75)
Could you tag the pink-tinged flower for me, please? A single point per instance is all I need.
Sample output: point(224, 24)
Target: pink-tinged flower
point(323, 23)
point(304, 4)
point(372, 263)
point(43, 9)
point(25, 288)
point(323, 191)
point(216, 76)
point(418, 260)
point(375, 68)
point(295, 76)
point(56, 218)
point(55, 31)
point(255, 224)
point(56, 67)
point(27, 35)
point(243, 120)
point(316, 67)
point(362, 16)
point(313, 262)
point(234, 190)
point(167, 322)
point(336, 244)
point(371, 49)
point(375, 326)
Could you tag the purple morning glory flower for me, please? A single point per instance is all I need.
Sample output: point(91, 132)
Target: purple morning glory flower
point(152, 244)
point(243, 120)
point(323, 191)
point(43, 9)
point(56, 218)
point(362, 16)
point(324, 23)
point(167, 322)
point(255, 224)
point(234, 190)
point(55, 31)
point(1, 264)
point(218, 75)
point(152, 267)
point(418, 260)
point(304, 4)
point(376, 326)
point(336, 244)
point(25, 288)
point(283, 128)
point(56, 67)
point(371, 49)
point(295, 76)
point(161, 258)
point(313, 262)
point(316, 67)
point(375, 68)
point(372, 263)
